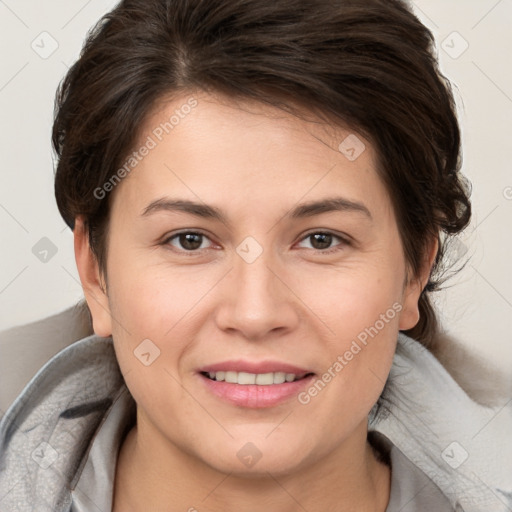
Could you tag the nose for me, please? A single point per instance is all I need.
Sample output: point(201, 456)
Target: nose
point(257, 299)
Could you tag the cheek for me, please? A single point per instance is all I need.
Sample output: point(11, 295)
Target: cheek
point(150, 311)
point(359, 361)
point(364, 327)
point(157, 310)
point(362, 312)
point(352, 298)
point(152, 299)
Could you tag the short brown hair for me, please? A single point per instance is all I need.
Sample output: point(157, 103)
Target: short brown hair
point(369, 64)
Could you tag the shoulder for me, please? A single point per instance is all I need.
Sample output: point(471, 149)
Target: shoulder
point(26, 348)
point(47, 432)
point(411, 488)
point(462, 446)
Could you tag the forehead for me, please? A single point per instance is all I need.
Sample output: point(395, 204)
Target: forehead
point(201, 116)
point(212, 148)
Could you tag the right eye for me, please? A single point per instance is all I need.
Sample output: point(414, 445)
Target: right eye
point(187, 241)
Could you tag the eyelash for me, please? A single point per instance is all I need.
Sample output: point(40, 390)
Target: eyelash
point(344, 241)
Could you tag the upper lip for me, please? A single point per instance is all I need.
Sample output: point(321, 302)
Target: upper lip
point(254, 367)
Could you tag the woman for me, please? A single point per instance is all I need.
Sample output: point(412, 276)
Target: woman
point(261, 194)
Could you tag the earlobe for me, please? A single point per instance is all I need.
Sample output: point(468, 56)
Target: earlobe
point(415, 285)
point(91, 279)
point(410, 314)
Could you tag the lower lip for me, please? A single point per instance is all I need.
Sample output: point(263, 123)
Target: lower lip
point(255, 396)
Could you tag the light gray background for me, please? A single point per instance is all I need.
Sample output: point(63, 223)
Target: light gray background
point(476, 309)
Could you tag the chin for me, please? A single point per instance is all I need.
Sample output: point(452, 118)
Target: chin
point(253, 457)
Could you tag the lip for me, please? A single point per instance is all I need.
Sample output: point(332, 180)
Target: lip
point(254, 367)
point(255, 396)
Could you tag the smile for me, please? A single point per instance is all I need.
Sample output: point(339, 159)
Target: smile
point(255, 391)
point(260, 379)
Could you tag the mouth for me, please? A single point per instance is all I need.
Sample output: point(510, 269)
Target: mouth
point(255, 390)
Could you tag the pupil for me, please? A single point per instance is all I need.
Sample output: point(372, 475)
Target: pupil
point(190, 241)
point(324, 239)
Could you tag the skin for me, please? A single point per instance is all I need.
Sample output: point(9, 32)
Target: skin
point(294, 303)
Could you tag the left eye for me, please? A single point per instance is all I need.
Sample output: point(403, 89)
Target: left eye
point(321, 241)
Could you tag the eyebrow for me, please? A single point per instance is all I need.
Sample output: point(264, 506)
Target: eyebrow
point(334, 204)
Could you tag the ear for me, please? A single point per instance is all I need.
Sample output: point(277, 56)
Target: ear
point(410, 313)
point(92, 282)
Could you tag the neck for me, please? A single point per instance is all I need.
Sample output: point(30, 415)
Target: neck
point(149, 477)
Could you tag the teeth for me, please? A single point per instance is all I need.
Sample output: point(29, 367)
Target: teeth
point(231, 377)
point(262, 379)
point(244, 378)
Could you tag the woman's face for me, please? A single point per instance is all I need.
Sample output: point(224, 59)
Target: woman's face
point(292, 264)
